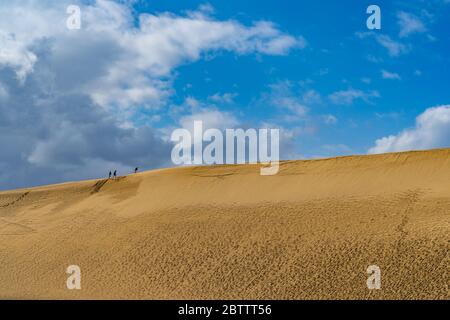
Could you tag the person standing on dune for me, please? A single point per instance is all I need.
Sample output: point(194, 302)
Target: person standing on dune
point(115, 174)
point(110, 175)
point(136, 170)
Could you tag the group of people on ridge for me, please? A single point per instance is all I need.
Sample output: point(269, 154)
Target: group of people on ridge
point(114, 174)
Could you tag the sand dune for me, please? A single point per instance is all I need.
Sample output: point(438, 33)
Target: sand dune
point(225, 232)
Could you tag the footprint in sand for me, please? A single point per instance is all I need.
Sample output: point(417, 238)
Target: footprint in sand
point(8, 228)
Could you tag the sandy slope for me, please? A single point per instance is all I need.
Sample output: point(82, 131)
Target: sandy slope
point(227, 232)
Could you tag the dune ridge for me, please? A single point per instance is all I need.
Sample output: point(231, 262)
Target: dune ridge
point(225, 232)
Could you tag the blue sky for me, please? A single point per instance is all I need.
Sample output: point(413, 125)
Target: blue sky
point(76, 103)
point(336, 59)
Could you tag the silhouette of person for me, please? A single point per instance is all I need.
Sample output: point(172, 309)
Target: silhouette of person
point(136, 169)
point(110, 174)
point(115, 174)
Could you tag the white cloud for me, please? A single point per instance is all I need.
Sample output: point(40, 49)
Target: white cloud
point(193, 109)
point(393, 47)
point(284, 96)
point(409, 24)
point(53, 81)
point(141, 57)
point(211, 119)
point(289, 137)
point(223, 98)
point(432, 130)
point(14, 54)
point(206, 8)
point(347, 97)
point(311, 97)
point(390, 75)
point(173, 40)
point(292, 104)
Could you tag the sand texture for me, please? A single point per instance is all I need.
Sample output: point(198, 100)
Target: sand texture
point(225, 232)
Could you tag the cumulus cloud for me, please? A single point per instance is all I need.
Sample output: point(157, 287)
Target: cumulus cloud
point(48, 137)
point(432, 130)
point(211, 119)
point(68, 97)
point(193, 109)
point(141, 56)
point(14, 54)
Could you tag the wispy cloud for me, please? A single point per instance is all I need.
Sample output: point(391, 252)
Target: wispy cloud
point(390, 75)
point(223, 98)
point(409, 24)
point(347, 97)
point(393, 47)
point(282, 96)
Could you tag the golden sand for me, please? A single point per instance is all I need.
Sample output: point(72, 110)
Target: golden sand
point(225, 232)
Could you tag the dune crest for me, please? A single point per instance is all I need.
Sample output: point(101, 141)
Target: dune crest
point(226, 232)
